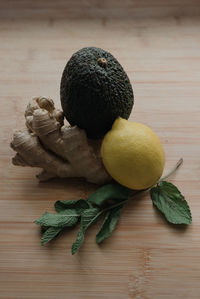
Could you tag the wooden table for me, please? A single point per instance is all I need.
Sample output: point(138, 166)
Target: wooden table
point(158, 43)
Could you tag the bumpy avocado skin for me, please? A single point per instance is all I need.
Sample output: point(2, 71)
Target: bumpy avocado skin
point(94, 95)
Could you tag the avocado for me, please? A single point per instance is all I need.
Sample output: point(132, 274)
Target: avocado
point(94, 91)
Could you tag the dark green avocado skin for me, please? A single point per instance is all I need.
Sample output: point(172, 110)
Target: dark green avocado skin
point(93, 95)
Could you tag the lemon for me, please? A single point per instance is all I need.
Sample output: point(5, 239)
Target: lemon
point(132, 154)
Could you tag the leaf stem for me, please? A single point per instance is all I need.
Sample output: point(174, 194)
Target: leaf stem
point(120, 203)
point(178, 164)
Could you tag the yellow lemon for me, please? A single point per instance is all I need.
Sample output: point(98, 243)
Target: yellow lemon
point(132, 154)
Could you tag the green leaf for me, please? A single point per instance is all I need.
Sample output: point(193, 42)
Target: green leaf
point(109, 223)
point(79, 205)
point(109, 191)
point(63, 219)
point(49, 234)
point(88, 217)
point(43, 229)
point(169, 200)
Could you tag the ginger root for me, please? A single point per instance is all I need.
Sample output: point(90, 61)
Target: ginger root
point(60, 150)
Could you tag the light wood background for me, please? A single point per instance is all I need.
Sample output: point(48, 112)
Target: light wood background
point(158, 43)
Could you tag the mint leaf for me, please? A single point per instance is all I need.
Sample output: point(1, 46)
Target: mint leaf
point(88, 217)
point(79, 205)
point(63, 219)
point(169, 200)
point(109, 191)
point(109, 223)
point(49, 234)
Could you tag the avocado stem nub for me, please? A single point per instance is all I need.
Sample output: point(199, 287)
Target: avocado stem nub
point(102, 62)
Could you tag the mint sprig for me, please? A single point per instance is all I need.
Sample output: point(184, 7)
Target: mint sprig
point(109, 201)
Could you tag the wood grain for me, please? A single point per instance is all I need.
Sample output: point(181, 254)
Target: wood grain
point(145, 257)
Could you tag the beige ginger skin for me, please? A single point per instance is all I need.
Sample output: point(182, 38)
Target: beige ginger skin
point(60, 150)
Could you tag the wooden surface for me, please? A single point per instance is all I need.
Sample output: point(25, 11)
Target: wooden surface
point(145, 257)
